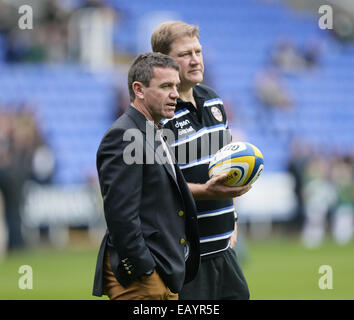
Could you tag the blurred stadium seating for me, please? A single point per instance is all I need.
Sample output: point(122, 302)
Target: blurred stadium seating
point(74, 104)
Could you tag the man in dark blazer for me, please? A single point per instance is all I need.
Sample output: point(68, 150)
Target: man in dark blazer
point(151, 247)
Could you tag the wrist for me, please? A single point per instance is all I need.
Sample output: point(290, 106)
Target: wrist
point(199, 191)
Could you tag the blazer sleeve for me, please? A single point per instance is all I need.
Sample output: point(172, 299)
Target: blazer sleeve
point(121, 188)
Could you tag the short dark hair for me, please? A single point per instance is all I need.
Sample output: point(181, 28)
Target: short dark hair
point(142, 68)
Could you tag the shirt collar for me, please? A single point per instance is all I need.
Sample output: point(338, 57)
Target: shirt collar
point(199, 99)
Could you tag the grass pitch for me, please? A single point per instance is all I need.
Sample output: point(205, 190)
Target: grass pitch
point(284, 269)
point(274, 269)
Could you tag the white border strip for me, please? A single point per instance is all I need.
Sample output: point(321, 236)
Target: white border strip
point(196, 162)
point(215, 212)
point(212, 102)
point(177, 115)
point(199, 133)
point(215, 238)
point(207, 253)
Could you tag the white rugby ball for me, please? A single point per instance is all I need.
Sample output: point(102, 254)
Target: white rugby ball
point(242, 161)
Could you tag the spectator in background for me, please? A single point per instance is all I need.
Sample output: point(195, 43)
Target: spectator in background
point(90, 35)
point(21, 147)
point(7, 13)
point(46, 42)
point(52, 32)
point(342, 175)
point(300, 154)
point(343, 27)
point(62, 31)
point(270, 90)
point(287, 58)
point(10, 182)
point(320, 196)
point(8, 19)
point(290, 59)
point(312, 53)
point(17, 43)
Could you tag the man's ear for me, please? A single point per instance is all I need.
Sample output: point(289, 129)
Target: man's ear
point(138, 89)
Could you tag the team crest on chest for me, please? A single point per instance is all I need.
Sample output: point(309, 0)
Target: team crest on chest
point(216, 112)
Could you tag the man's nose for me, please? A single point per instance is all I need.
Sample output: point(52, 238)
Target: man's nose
point(195, 59)
point(174, 93)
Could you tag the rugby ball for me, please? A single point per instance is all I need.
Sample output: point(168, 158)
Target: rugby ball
point(242, 161)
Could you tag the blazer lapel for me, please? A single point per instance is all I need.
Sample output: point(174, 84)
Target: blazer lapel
point(164, 160)
point(142, 123)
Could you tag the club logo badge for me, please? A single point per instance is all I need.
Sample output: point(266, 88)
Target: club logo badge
point(216, 112)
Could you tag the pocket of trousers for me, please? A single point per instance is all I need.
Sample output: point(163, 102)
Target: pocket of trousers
point(153, 286)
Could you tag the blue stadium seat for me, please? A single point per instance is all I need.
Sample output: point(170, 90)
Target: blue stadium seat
point(76, 105)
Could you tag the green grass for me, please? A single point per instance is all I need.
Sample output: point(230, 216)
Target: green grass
point(57, 274)
point(276, 269)
point(284, 269)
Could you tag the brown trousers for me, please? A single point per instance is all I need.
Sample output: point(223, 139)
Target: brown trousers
point(147, 288)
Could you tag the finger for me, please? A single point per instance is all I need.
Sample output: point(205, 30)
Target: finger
point(239, 191)
point(243, 188)
point(220, 178)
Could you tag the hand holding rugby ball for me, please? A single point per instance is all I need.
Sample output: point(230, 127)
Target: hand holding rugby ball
point(241, 161)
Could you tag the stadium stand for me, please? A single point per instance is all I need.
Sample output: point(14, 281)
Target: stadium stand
point(75, 106)
point(239, 45)
point(72, 107)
